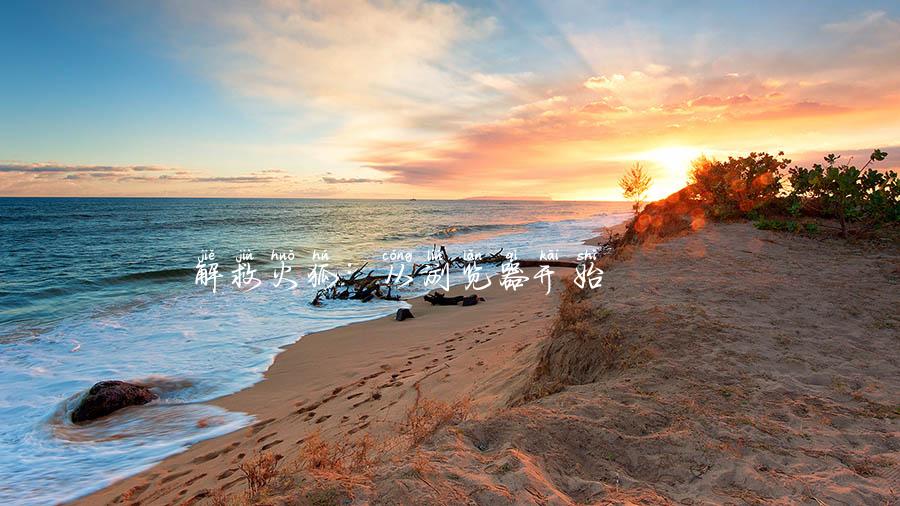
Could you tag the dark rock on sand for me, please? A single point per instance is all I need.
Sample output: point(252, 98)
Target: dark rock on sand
point(404, 313)
point(107, 396)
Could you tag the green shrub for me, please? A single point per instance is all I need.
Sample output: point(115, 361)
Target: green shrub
point(738, 187)
point(777, 225)
point(786, 226)
point(846, 193)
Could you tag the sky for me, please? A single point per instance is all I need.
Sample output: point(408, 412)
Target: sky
point(421, 99)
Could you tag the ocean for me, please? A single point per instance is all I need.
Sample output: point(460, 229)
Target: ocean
point(106, 288)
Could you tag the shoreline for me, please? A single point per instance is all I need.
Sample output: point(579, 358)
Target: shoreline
point(606, 232)
point(356, 379)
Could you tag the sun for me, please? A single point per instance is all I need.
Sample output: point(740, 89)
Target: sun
point(669, 167)
point(676, 159)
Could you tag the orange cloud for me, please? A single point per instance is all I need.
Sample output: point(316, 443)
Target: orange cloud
point(571, 145)
point(714, 101)
point(798, 110)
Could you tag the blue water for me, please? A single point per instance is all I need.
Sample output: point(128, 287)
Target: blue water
point(94, 289)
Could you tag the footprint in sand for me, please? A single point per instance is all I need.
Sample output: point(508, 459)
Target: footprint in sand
point(373, 375)
point(273, 443)
point(207, 457)
point(199, 496)
point(354, 430)
point(194, 479)
point(308, 408)
point(174, 476)
point(225, 474)
point(267, 436)
point(258, 426)
point(132, 493)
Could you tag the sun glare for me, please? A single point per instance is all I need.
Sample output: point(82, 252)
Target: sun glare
point(669, 167)
point(675, 160)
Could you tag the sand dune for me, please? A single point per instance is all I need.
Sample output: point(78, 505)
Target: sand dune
point(769, 375)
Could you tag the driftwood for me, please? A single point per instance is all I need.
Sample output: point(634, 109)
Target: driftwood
point(439, 299)
point(369, 286)
point(356, 286)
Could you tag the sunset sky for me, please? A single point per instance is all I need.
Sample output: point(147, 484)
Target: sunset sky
point(402, 99)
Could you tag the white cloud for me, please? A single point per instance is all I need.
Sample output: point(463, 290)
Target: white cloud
point(604, 83)
point(375, 68)
point(539, 106)
point(635, 89)
point(655, 69)
point(867, 21)
point(507, 83)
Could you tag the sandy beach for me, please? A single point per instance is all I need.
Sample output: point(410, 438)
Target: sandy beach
point(731, 380)
point(360, 379)
point(727, 366)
